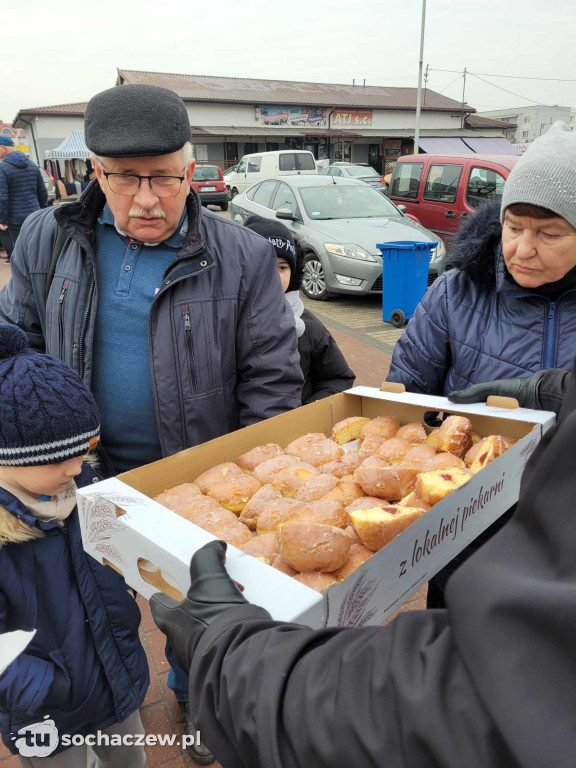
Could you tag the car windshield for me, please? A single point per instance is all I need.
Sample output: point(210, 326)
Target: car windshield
point(361, 171)
point(351, 201)
point(230, 170)
point(210, 173)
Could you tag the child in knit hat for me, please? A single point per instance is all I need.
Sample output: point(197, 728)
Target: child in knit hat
point(84, 670)
point(325, 369)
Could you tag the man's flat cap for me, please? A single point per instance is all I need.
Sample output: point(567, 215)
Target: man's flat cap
point(136, 121)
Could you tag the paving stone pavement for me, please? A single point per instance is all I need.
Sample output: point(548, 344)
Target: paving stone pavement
point(367, 344)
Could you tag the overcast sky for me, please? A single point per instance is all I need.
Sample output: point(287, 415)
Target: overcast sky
point(57, 53)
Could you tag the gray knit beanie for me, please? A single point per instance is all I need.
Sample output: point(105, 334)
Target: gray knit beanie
point(546, 175)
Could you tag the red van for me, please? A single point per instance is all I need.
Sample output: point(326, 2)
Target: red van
point(208, 181)
point(441, 190)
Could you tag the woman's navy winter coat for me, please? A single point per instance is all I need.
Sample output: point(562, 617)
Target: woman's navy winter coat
point(22, 189)
point(85, 668)
point(476, 324)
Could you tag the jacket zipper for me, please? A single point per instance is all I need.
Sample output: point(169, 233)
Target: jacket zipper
point(189, 343)
point(61, 300)
point(82, 339)
point(550, 336)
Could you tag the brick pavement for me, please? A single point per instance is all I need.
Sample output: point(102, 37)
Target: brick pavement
point(369, 357)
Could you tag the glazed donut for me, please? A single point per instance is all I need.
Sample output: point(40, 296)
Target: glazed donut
point(316, 580)
point(180, 496)
point(234, 491)
point(357, 557)
point(432, 439)
point(377, 527)
point(312, 546)
point(418, 455)
point(432, 487)
point(367, 502)
point(263, 547)
point(282, 565)
point(251, 459)
point(316, 488)
point(212, 519)
point(266, 471)
point(207, 479)
point(414, 433)
point(382, 426)
point(346, 490)
point(290, 479)
point(343, 466)
point(455, 436)
point(370, 445)
point(235, 534)
point(413, 501)
point(381, 480)
point(277, 512)
point(326, 512)
point(492, 447)
point(443, 461)
point(257, 504)
point(348, 429)
point(315, 449)
point(393, 451)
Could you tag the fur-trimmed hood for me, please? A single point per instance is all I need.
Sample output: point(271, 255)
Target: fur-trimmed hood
point(475, 251)
point(15, 531)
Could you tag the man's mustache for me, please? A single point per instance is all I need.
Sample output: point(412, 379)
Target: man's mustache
point(153, 213)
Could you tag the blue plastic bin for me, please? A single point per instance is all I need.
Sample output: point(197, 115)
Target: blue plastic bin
point(405, 267)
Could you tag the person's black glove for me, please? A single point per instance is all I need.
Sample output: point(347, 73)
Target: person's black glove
point(211, 592)
point(525, 390)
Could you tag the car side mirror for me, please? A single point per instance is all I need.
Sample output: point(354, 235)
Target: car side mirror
point(401, 208)
point(285, 213)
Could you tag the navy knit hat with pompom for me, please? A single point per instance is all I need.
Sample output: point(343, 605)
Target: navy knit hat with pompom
point(47, 414)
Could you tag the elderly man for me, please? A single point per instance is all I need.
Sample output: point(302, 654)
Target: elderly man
point(22, 191)
point(172, 315)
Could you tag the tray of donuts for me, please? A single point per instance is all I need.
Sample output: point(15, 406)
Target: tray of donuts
point(320, 507)
point(352, 498)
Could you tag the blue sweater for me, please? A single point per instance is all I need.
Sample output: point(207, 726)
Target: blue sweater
point(22, 189)
point(129, 274)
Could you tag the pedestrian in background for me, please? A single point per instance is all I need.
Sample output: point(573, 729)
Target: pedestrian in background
point(508, 307)
point(22, 191)
point(323, 365)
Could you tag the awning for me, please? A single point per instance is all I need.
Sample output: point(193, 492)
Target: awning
point(269, 132)
point(492, 146)
point(72, 148)
point(445, 146)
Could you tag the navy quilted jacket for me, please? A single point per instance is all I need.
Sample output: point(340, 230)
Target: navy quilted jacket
point(85, 667)
point(22, 189)
point(475, 324)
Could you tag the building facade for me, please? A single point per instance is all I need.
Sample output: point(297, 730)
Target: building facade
point(528, 123)
point(231, 117)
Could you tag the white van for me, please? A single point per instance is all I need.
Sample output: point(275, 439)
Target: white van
point(265, 165)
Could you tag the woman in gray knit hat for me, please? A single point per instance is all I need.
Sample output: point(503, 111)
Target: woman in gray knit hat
point(507, 308)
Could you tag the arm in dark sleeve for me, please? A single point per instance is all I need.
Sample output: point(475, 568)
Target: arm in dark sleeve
point(4, 193)
point(41, 191)
point(422, 355)
point(329, 371)
point(488, 683)
point(19, 303)
point(278, 695)
point(270, 378)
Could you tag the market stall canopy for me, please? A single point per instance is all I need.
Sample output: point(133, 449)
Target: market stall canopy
point(72, 148)
point(445, 146)
point(492, 146)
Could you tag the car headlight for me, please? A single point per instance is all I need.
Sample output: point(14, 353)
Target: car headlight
point(349, 250)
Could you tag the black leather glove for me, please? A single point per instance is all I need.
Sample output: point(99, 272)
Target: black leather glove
point(525, 390)
point(211, 592)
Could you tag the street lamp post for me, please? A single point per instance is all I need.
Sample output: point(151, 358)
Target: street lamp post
point(419, 96)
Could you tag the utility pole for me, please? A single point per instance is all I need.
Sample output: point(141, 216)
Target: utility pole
point(463, 97)
point(419, 95)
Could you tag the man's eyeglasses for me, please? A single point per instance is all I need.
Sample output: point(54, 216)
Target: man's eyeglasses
point(128, 184)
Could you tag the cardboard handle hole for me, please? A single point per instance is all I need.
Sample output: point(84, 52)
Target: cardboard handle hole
point(154, 575)
point(393, 387)
point(497, 401)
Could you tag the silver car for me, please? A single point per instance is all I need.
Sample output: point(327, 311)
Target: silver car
point(338, 222)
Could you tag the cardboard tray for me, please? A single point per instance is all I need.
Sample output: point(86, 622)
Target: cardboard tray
point(151, 546)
